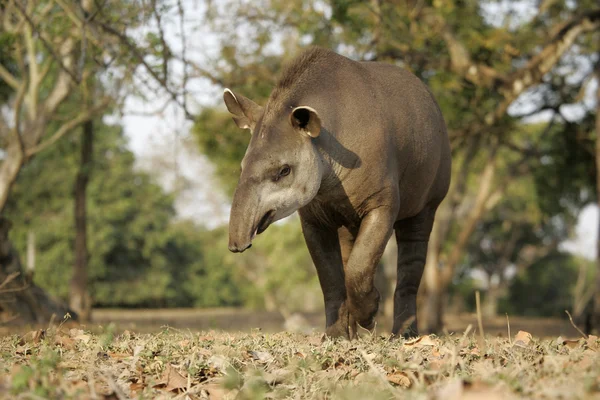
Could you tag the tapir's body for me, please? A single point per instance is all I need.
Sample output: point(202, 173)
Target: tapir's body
point(360, 149)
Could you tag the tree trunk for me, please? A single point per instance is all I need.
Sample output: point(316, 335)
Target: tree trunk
point(21, 301)
point(9, 170)
point(80, 300)
point(489, 308)
point(596, 305)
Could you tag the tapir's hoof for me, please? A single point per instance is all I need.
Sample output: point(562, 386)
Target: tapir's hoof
point(344, 327)
point(336, 331)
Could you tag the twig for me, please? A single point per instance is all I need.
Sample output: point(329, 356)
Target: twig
point(456, 348)
point(508, 327)
point(13, 290)
point(113, 385)
point(479, 319)
point(374, 368)
point(575, 326)
point(9, 279)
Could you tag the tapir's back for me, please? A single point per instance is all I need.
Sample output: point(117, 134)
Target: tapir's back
point(414, 120)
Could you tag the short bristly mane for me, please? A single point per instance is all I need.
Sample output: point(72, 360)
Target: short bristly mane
point(293, 72)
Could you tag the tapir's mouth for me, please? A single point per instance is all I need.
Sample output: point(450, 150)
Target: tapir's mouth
point(264, 222)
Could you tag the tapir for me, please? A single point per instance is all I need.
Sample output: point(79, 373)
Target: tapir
point(361, 151)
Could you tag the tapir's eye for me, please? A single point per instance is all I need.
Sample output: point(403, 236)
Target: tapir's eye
point(285, 170)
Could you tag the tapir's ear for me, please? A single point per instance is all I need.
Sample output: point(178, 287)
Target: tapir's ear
point(307, 120)
point(245, 111)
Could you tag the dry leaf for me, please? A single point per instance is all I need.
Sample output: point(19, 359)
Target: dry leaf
point(218, 362)
point(33, 337)
point(171, 380)
point(118, 356)
point(420, 342)
point(592, 342)
point(136, 387)
point(570, 343)
point(277, 376)
point(80, 335)
point(261, 356)
point(399, 378)
point(522, 338)
point(213, 391)
point(64, 341)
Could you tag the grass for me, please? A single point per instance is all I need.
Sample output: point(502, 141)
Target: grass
point(73, 363)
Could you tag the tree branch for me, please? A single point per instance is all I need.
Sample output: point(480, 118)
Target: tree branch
point(68, 126)
point(9, 78)
point(46, 44)
point(477, 73)
point(17, 110)
point(540, 64)
point(140, 57)
point(483, 194)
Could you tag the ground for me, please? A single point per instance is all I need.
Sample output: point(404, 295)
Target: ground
point(66, 361)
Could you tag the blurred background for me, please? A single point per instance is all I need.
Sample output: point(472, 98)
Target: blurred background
point(118, 159)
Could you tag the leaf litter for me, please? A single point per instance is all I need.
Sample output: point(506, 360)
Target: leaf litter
point(75, 363)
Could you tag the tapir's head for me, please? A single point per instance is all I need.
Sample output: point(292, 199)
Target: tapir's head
point(281, 171)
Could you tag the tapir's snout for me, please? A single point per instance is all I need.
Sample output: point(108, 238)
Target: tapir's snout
point(241, 220)
point(235, 248)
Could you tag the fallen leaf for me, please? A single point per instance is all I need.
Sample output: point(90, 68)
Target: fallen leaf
point(218, 362)
point(80, 335)
point(33, 337)
point(522, 338)
point(171, 380)
point(136, 387)
point(399, 378)
point(213, 391)
point(570, 343)
point(277, 376)
point(421, 341)
point(118, 356)
point(64, 341)
point(261, 356)
point(592, 342)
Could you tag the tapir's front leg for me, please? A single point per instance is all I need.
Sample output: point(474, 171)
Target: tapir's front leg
point(324, 247)
point(373, 235)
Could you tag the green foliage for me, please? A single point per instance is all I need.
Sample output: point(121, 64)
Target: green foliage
point(138, 255)
point(544, 289)
point(223, 143)
point(276, 273)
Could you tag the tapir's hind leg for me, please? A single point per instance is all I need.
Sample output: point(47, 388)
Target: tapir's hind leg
point(412, 236)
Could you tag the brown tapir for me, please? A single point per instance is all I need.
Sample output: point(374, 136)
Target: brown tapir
point(360, 149)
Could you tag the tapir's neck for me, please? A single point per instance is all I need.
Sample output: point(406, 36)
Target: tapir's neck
point(338, 162)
